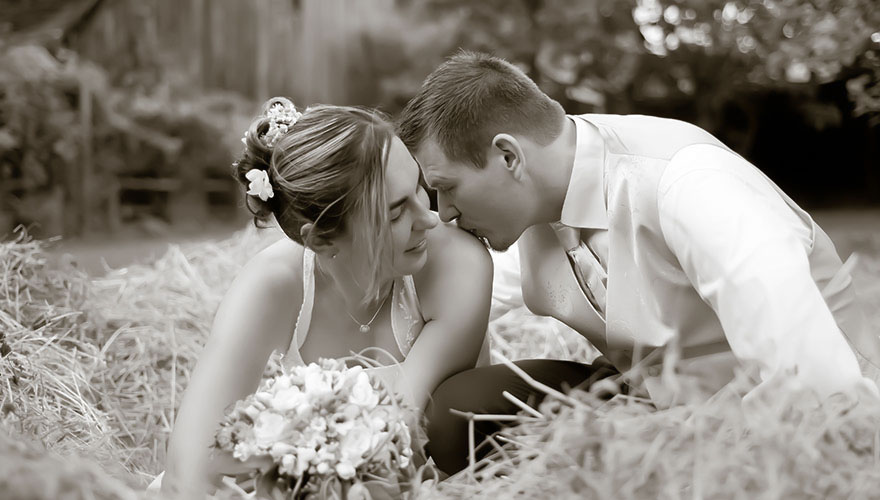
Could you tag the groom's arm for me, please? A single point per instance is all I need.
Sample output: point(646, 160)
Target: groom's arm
point(747, 255)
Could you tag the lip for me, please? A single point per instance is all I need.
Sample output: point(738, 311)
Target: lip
point(471, 230)
point(475, 233)
point(419, 247)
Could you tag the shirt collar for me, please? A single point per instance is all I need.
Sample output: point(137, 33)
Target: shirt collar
point(584, 205)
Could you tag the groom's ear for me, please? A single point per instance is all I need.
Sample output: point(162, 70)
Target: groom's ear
point(509, 150)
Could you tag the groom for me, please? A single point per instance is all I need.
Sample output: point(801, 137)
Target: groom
point(638, 232)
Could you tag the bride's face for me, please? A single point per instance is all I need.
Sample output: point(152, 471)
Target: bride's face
point(409, 219)
point(409, 212)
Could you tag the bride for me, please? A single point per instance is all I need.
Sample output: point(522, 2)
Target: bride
point(366, 264)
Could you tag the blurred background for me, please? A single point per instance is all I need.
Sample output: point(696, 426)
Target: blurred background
point(119, 118)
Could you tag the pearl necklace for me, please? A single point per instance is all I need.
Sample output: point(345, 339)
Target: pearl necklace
point(365, 327)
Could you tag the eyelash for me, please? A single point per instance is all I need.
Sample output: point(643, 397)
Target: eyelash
point(418, 192)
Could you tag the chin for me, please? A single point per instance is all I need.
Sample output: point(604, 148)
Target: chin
point(412, 264)
point(498, 246)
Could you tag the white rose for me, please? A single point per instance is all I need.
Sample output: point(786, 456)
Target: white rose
point(280, 383)
point(378, 439)
point(378, 423)
point(318, 424)
point(304, 409)
point(288, 399)
point(268, 429)
point(280, 449)
point(312, 439)
point(324, 454)
point(244, 450)
point(288, 465)
point(362, 393)
point(349, 377)
point(343, 427)
point(323, 468)
point(351, 411)
point(356, 442)
point(317, 384)
point(345, 470)
point(252, 411)
point(305, 453)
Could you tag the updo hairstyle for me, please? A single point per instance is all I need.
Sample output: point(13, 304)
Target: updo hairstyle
point(327, 169)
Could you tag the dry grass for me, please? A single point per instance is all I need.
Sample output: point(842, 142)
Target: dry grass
point(92, 371)
point(781, 447)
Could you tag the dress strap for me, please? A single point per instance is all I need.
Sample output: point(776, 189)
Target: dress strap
point(406, 314)
point(304, 319)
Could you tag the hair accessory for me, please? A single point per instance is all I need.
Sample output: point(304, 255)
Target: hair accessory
point(259, 185)
point(281, 119)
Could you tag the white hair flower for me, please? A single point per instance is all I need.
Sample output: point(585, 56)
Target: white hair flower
point(281, 119)
point(259, 185)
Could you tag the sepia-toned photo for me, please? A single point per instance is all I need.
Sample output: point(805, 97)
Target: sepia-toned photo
point(439, 249)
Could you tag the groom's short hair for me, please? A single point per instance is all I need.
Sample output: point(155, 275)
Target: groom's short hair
point(472, 97)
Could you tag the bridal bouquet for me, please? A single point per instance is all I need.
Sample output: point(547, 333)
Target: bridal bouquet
point(328, 429)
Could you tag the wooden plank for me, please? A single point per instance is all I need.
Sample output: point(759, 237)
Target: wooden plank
point(170, 184)
point(161, 184)
point(264, 35)
point(86, 164)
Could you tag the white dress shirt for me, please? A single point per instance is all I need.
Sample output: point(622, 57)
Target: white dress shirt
point(700, 250)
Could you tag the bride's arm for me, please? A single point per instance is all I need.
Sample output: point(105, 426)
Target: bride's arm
point(253, 319)
point(455, 293)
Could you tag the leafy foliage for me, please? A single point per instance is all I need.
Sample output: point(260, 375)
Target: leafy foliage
point(608, 54)
point(56, 154)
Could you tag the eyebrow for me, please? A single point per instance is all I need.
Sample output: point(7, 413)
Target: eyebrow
point(422, 179)
point(403, 199)
point(441, 181)
point(397, 203)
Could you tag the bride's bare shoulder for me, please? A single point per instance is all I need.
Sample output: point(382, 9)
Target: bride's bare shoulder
point(446, 240)
point(275, 269)
point(457, 276)
point(452, 248)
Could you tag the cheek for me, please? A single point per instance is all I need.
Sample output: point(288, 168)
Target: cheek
point(400, 234)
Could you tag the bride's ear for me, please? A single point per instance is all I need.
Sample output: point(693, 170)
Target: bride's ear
point(508, 150)
point(318, 244)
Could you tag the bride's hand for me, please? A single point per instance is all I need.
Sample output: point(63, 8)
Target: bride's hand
point(223, 463)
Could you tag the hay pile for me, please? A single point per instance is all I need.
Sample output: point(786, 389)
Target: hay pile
point(92, 370)
point(588, 448)
point(30, 472)
point(625, 449)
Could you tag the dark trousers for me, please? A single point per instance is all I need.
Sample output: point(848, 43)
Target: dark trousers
point(479, 391)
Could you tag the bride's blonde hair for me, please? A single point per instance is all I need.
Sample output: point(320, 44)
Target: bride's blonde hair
point(326, 169)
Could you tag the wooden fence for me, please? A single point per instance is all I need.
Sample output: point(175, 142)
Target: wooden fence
point(310, 50)
point(306, 49)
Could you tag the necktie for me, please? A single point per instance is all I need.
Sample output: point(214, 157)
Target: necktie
point(585, 264)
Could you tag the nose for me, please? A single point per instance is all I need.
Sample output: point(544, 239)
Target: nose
point(448, 212)
point(427, 219)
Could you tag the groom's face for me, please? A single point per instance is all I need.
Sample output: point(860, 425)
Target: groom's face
point(482, 201)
